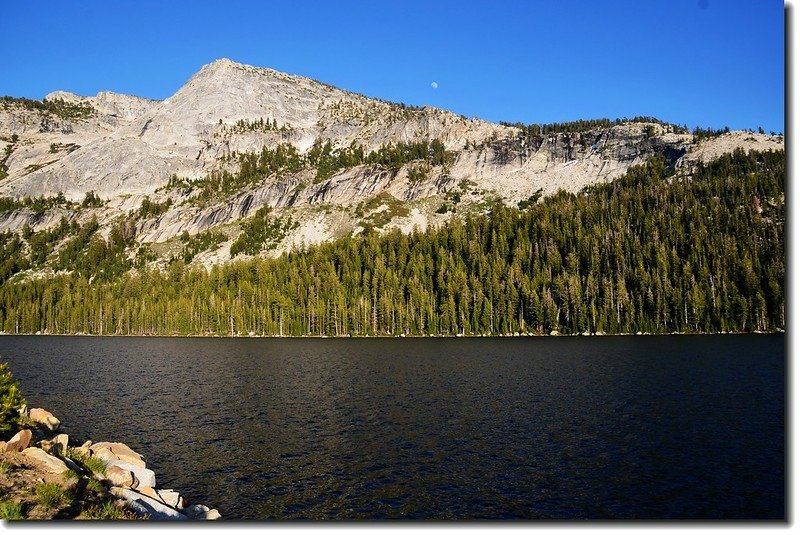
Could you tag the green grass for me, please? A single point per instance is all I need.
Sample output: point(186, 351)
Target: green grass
point(6, 467)
point(94, 485)
point(107, 511)
point(92, 464)
point(10, 510)
point(50, 495)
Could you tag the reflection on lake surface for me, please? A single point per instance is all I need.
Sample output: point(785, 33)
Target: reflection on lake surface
point(565, 428)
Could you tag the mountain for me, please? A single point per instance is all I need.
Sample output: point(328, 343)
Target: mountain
point(241, 151)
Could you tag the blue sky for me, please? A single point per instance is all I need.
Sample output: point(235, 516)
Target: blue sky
point(696, 62)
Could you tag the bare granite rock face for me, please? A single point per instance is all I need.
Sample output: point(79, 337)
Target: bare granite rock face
point(188, 133)
point(127, 148)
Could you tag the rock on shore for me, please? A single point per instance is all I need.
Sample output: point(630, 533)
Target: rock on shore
point(123, 470)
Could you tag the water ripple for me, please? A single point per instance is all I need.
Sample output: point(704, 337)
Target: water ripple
point(651, 427)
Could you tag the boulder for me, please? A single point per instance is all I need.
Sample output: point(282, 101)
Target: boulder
point(119, 477)
point(104, 455)
point(201, 512)
point(20, 441)
point(144, 505)
point(44, 418)
point(109, 451)
point(150, 492)
point(144, 476)
point(60, 443)
point(171, 498)
point(50, 463)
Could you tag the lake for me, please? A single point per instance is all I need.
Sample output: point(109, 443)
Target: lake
point(622, 427)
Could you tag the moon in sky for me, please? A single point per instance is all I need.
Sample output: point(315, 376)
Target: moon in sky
point(434, 85)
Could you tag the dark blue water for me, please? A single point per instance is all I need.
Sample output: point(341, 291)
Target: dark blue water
point(656, 427)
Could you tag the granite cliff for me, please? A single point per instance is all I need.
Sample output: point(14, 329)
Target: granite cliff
point(133, 153)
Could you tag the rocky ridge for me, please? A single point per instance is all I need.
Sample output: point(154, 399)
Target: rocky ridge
point(127, 149)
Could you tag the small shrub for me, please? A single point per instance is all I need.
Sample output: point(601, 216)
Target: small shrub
point(50, 495)
point(5, 467)
point(11, 400)
point(92, 464)
point(95, 486)
point(10, 510)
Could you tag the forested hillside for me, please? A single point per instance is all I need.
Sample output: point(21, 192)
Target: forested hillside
point(650, 252)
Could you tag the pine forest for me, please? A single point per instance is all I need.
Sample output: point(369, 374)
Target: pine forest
point(651, 252)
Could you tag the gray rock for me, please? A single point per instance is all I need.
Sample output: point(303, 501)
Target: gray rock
point(104, 455)
point(171, 498)
point(130, 147)
point(144, 505)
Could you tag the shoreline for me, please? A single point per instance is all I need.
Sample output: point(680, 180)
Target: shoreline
point(110, 474)
point(397, 336)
